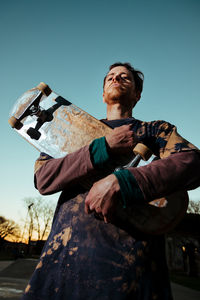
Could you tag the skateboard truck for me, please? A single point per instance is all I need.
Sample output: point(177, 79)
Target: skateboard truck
point(34, 108)
point(141, 152)
point(43, 116)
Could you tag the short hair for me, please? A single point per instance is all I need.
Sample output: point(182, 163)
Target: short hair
point(138, 76)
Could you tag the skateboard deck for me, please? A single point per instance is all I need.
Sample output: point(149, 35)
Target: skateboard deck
point(57, 127)
point(52, 124)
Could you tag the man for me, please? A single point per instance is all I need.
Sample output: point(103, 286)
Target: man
point(90, 254)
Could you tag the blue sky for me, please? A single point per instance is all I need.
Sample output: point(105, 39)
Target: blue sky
point(70, 44)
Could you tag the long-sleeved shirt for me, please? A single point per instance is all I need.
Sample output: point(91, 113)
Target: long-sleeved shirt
point(84, 258)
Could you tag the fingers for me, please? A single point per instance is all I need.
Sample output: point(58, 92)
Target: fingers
point(102, 197)
point(87, 206)
point(92, 206)
point(107, 216)
point(91, 202)
point(106, 219)
point(102, 212)
point(121, 140)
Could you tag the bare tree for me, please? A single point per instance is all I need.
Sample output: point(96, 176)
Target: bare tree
point(47, 212)
point(194, 207)
point(38, 219)
point(8, 229)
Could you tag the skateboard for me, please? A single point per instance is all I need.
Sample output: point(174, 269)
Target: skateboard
point(57, 127)
point(52, 124)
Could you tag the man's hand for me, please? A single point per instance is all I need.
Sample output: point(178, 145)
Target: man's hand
point(121, 140)
point(103, 197)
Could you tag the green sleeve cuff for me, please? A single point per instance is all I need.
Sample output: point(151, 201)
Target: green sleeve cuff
point(99, 154)
point(130, 190)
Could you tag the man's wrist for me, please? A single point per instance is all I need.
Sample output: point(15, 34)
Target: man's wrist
point(99, 153)
point(130, 190)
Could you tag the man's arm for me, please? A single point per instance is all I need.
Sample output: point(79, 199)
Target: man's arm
point(160, 178)
point(177, 170)
point(54, 175)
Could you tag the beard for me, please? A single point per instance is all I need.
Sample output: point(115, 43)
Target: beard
point(118, 95)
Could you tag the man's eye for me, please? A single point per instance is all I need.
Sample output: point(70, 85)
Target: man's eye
point(109, 78)
point(125, 77)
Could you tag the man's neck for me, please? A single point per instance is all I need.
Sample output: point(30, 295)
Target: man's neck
point(116, 112)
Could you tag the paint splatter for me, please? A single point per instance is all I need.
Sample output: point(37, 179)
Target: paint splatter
point(39, 265)
point(79, 199)
point(117, 278)
point(72, 250)
point(66, 236)
point(75, 208)
point(27, 288)
point(49, 252)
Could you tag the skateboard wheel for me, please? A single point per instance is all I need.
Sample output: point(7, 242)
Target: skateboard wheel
point(15, 123)
point(33, 133)
point(143, 151)
point(44, 88)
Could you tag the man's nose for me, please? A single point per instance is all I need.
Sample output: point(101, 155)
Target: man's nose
point(116, 77)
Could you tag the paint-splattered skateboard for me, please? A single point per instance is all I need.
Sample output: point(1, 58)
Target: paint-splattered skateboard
point(57, 127)
point(53, 124)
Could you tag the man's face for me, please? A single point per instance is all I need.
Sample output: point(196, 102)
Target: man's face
point(120, 87)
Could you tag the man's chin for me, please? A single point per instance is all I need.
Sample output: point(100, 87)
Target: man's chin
point(123, 101)
point(114, 97)
point(112, 100)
